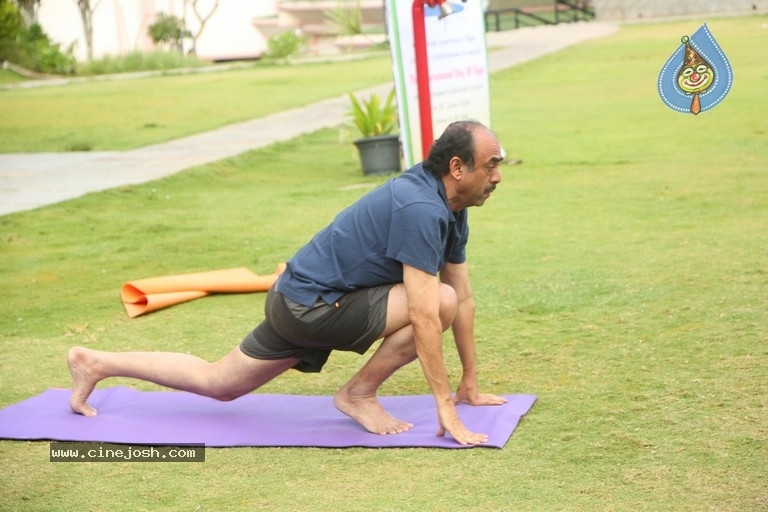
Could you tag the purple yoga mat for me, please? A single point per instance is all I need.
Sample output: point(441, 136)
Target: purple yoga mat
point(174, 417)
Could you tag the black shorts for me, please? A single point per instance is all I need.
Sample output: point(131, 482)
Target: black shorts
point(289, 329)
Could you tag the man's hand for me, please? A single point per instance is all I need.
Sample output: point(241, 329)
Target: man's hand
point(449, 418)
point(470, 395)
point(450, 422)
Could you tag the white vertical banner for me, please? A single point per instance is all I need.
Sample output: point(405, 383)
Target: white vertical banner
point(458, 68)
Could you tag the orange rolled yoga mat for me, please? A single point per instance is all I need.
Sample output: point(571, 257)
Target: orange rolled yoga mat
point(146, 295)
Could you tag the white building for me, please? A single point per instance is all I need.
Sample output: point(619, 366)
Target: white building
point(121, 26)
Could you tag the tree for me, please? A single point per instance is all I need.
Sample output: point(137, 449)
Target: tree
point(86, 14)
point(10, 27)
point(168, 30)
point(28, 47)
point(202, 20)
point(28, 10)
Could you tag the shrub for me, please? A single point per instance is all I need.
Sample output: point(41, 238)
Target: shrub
point(10, 26)
point(167, 30)
point(285, 44)
point(30, 47)
point(35, 51)
point(159, 60)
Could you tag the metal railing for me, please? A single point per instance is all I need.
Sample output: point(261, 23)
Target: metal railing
point(575, 11)
point(563, 11)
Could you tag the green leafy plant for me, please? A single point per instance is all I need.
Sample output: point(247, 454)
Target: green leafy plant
point(30, 47)
point(168, 30)
point(347, 20)
point(10, 26)
point(372, 117)
point(285, 44)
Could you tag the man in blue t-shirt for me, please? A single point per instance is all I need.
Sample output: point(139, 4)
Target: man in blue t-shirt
point(392, 266)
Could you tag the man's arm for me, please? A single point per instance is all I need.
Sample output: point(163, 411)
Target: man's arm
point(423, 293)
point(457, 276)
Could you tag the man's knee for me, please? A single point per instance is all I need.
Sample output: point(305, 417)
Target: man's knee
point(227, 397)
point(448, 304)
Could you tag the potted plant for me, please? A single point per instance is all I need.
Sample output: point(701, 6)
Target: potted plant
point(379, 148)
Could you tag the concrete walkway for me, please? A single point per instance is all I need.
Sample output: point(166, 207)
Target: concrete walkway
point(29, 181)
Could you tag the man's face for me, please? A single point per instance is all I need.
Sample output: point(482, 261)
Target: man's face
point(482, 179)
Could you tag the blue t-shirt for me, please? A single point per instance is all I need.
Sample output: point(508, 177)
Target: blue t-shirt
point(406, 220)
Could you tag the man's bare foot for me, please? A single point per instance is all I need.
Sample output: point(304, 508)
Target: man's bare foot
point(368, 412)
point(84, 379)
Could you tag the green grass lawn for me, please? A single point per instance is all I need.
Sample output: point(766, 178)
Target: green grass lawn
point(9, 77)
point(125, 114)
point(621, 275)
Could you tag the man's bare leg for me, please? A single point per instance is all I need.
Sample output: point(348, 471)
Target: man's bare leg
point(357, 398)
point(232, 376)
